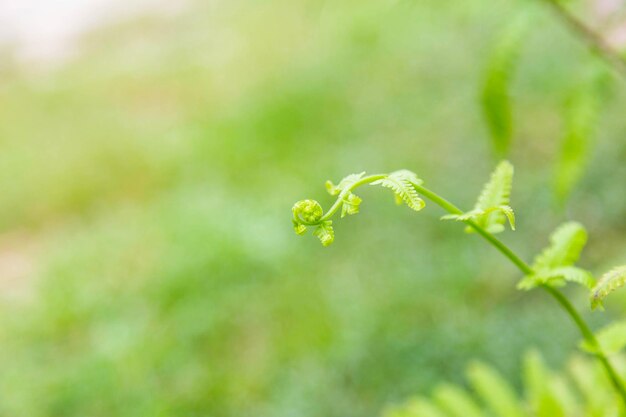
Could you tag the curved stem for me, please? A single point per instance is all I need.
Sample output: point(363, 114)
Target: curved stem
point(452, 209)
point(333, 209)
point(583, 327)
point(590, 338)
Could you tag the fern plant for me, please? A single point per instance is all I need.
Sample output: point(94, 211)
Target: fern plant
point(553, 268)
point(580, 390)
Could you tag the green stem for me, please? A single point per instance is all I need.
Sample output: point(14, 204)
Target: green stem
point(527, 270)
point(452, 209)
point(333, 209)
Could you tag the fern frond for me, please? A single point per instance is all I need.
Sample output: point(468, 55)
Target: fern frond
point(595, 387)
point(478, 214)
point(583, 389)
point(325, 233)
point(540, 388)
point(344, 184)
point(492, 209)
point(495, 96)
point(401, 183)
point(609, 282)
point(309, 211)
point(456, 402)
point(581, 115)
point(350, 204)
point(416, 407)
point(497, 191)
point(495, 391)
point(299, 228)
point(557, 277)
point(566, 244)
point(612, 339)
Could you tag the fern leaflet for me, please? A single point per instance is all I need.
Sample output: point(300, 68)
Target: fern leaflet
point(611, 339)
point(557, 277)
point(416, 407)
point(401, 183)
point(582, 112)
point(456, 402)
point(495, 96)
point(325, 233)
point(350, 204)
point(345, 184)
point(495, 391)
point(566, 244)
point(609, 282)
point(554, 265)
point(492, 208)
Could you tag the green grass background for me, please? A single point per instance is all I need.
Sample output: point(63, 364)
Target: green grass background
point(147, 262)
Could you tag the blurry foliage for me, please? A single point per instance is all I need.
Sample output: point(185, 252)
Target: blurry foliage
point(495, 95)
point(152, 175)
point(582, 389)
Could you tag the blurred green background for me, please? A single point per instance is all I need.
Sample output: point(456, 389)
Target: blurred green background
point(148, 266)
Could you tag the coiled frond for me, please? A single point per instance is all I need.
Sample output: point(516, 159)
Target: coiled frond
point(306, 213)
point(492, 209)
point(309, 212)
point(609, 282)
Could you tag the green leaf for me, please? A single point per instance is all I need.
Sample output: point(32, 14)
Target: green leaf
point(299, 228)
point(609, 282)
point(557, 277)
point(345, 184)
point(350, 205)
point(497, 191)
point(596, 389)
point(495, 391)
point(495, 95)
point(539, 388)
point(581, 116)
point(401, 183)
point(612, 339)
point(325, 233)
point(554, 265)
point(566, 244)
point(478, 214)
point(492, 209)
point(416, 407)
point(456, 402)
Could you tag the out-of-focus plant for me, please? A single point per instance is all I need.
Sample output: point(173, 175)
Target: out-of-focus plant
point(582, 108)
point(551, 269)
point(582, 389)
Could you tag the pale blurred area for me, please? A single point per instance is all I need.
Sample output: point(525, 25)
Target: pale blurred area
point(46, 32)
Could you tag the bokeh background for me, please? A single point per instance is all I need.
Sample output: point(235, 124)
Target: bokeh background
point(149, 159)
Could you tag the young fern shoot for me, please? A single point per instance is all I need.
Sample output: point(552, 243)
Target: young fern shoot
point(551, 269)
point(493, 203)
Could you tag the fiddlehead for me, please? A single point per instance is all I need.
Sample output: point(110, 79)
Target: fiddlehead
point(310, 213)
point(552, 268)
